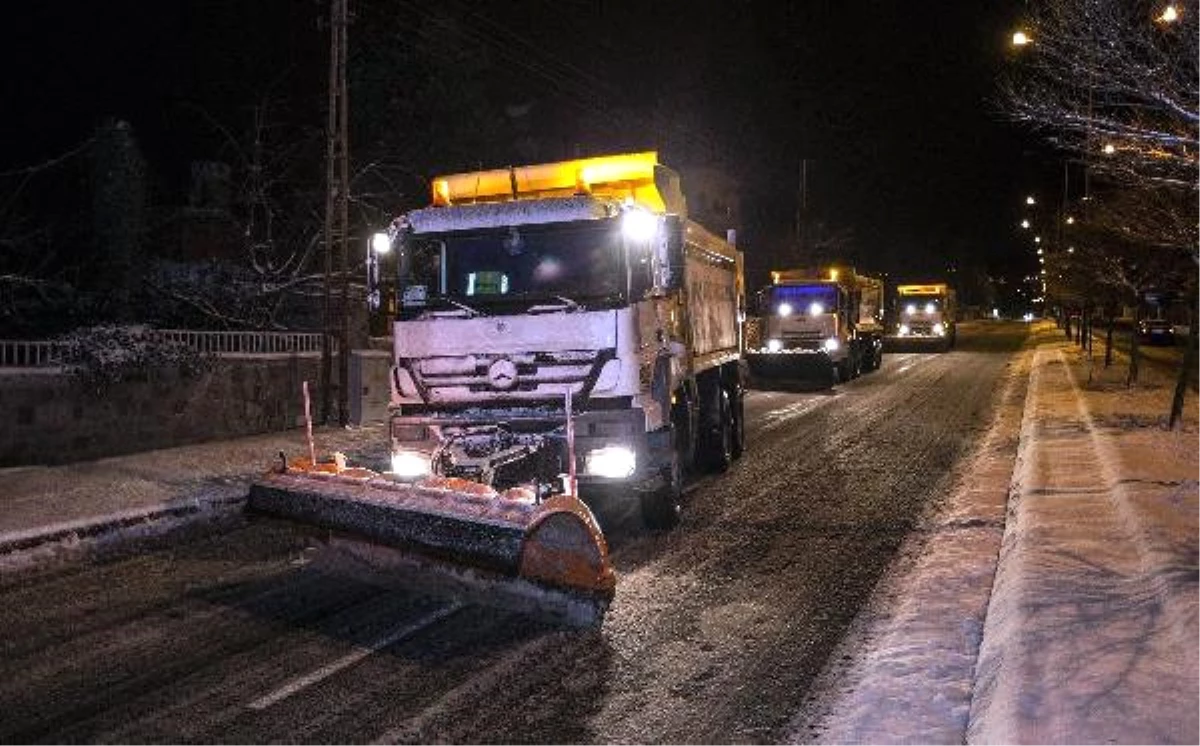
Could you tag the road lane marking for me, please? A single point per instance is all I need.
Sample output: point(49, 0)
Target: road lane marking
point(346, 661)
point(776, 417)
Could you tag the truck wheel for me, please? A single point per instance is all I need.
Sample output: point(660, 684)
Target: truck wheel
point(739, 424)
point(685, 427)
point(871, 361)
point(660, 507)
point(842, 371)
point(718, 440)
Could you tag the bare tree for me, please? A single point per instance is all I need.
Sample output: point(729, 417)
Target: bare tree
point(1115, 83)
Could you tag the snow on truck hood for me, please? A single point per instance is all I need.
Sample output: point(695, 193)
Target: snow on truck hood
point(590, 330)
point(516, 212)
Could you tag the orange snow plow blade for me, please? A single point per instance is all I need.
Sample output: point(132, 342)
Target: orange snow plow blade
point(554, 546)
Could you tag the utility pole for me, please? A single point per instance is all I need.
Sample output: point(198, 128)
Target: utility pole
point(802, 210)
point(337, 318)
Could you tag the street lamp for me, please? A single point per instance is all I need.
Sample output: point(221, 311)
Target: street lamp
point(1025, 223)
point(1170, 14)
point(1021, 39)
point(1030, 200)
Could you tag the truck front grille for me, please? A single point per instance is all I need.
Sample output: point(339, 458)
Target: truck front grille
point(540, 376)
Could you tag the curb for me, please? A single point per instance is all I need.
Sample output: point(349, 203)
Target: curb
point(73, 540)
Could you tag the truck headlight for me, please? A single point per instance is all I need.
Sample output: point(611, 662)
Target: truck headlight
point(381, 243)
point(785, 310)
point(903, 330)
point(910, 309)
point(939, 329)
point(816, 309)
point(774, 345)
point(639, 225)
point(410, 464)
point(612, 462)
point(831, 344)
point(930, 308)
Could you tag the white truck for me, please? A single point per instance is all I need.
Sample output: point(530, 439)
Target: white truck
point(925, 316)
point(521, 287)
point(820, 324)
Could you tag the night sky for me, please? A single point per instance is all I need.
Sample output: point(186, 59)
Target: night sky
point(890, 104)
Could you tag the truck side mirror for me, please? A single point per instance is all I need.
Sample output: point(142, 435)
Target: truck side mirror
point(669, 255)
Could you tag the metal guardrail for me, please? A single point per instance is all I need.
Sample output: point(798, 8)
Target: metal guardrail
point(25, 353)
point(243, 342)
point(21, 353)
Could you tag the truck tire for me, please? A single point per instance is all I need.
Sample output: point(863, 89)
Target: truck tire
point(685, 427)
point(717, 453)
point(871, 361)
point(661, 507)
point(842, 371)
point(739, 423)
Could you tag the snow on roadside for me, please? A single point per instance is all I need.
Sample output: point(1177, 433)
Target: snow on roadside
point(904, 672)
point(1091, 636)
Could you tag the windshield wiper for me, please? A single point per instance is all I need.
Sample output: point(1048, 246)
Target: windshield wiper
point(570, 303)
point(566, 305)
point(470, 312)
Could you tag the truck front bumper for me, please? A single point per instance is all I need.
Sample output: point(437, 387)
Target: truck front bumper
point(604, 440)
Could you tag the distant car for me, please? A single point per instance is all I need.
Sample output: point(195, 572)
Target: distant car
point(1156, 332)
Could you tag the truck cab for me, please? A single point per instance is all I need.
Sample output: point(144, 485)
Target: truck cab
point(565, 325)
point(807, 327)
point(925, 315)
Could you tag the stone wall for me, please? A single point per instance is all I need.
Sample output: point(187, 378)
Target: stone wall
point(48, 417)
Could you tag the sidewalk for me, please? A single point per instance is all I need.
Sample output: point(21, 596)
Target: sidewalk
point(65, 512)
point(1051, 597)
point(1091, 632)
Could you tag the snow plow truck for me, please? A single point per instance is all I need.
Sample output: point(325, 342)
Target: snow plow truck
point(822, 325)
point(559, 329)
point(925, 317)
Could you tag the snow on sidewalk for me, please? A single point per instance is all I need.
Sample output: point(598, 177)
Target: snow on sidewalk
point(1088, 633)
point(1091, 634)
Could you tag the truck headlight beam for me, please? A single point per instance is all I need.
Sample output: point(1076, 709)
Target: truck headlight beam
point(611, 462)
point(639, 225)
point(381, 243)
point(410, 464)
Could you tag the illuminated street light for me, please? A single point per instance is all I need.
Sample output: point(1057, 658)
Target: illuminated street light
point(1021, 39)
point(1030, 200)
point(1071, 250)
point(1070, 220)
point(1170, 14)
point(1109, 148)
point(1037, 239)
point(1039, 252)
point(1024, 223)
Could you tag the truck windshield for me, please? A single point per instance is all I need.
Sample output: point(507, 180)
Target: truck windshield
point(577, 263)
point(810, 299)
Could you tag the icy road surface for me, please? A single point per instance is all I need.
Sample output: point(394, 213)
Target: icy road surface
point(718, 632)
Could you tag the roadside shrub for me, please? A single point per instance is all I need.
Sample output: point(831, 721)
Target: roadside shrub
point(102, 355)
